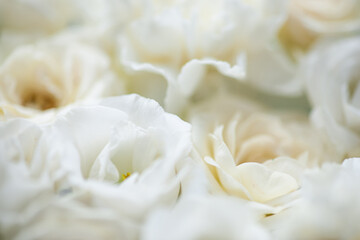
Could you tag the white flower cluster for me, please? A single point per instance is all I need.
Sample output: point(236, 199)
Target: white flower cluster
point(179, 119)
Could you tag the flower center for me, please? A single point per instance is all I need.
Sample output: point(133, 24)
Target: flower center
point(354, 91)
point(123, 177)
point(259, 138)
point(39, 100)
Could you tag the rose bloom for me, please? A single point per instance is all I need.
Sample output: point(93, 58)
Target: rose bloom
point(255, 153)
point(328, 207)
point(43, 18)
point(37, 80)
point(94, 22)
point(96, 171)
point(177, 46)
point(24, 22)
point(37, 16)
point(309, 20)
point(332, 80)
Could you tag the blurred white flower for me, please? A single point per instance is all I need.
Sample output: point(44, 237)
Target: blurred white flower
point(210, 217)
point(37, 15)
point(329, 205)
point(51, 75)
point(21, 194)
point(252, 152)
point(73, 219)
point(116, 160)
point(28, 21)
point(332, 77)
point(309, 20)
point(186, 41)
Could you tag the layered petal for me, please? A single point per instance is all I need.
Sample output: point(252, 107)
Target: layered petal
point(332, 82)
point(328, 206)
point(255, 153)
point(205, 218)
point(189, 42)
point(52, 75)
point(112, 162)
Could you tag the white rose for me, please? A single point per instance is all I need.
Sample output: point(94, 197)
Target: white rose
point(328, 207)
point(37, 15)
point(47, 76)
point(46, 17)
point(117, 160)
point(310, 20)
point(186, 42)
point(209, 217)
point(29, 21)
point(332, 77)
point(253, 153)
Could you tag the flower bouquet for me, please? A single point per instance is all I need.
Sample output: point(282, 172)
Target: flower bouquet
point(179, 119)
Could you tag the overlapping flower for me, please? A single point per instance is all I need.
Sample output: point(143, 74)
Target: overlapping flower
point(154, 119)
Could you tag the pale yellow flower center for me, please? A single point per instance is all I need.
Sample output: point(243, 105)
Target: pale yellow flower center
point(125, 176)
point(40, 100)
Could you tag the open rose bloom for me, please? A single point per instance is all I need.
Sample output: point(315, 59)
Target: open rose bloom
point(253, 153)
point(179, 119)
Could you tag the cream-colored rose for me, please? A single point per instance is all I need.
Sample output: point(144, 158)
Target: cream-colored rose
point(37, 80)
point(309, 20)
point(187, 41)
point(332, 77)
point(111, 162)
point(253, 153)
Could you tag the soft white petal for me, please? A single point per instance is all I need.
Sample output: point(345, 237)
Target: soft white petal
point(205, 218)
